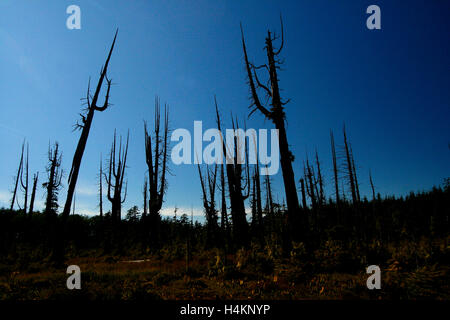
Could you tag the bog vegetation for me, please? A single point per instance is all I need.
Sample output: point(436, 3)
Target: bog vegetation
point(316, 245)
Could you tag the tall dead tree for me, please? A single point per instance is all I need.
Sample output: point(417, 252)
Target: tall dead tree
point(320, 183)
point(224, 225)
point(85, 127)
point(254, 223)
point(311, 186)
point(349, 167)
point(54, 176)
point(115, 177)
point(371, 185)
point(238, 190)
point(33, 192)
point(258, 198)
point(302, 188)
point(144, 192)
point(100, 187)
point(269, 208)
point(355, 175)
point(208, 185)
point(156, 152)
point(276, 113)
point(19, 172)
point(24, 185)
point(335, 169)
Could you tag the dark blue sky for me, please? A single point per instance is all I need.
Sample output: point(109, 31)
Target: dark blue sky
point(390, 86)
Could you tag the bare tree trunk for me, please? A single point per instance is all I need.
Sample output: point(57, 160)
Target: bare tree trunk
point(321, 194)
point(144, 192)
point(312, 185)
point(33, 192)
point(371, 185)
point(354, 173)
point(351, 175)
point(208, 185)
point(269, 206)
point(258, 196)
point(235, 187)
point(223, 212)
point(335, 170)
point(100, 187)
point(85, 127)
point(54, 175)
point(116, 174)
point(156, 158)
point(276, 114)
point(25, 185)
point(302, 187)
point(19, 173)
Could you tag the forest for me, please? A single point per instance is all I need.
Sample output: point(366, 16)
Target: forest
point(310, 245)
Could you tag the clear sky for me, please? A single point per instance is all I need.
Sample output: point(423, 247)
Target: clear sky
point(390, 86)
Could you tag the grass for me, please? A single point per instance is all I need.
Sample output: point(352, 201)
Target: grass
point(248, 274)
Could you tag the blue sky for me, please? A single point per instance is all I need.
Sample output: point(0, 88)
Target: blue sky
point(390, 86)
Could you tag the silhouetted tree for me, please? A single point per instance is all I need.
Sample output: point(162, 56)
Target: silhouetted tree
point(276, 113)
point(33, 192)
point(85, 127)
point(223, 212)
point(208, 185)
point(236, 186)
point(258, 198)
point(335, 169)
point(24, 185)
point(156, 153)
point(270, 208)
point(320, 183)
point(116, 174)
point(355, 175)
point(144, 192)
point(371, 185)
point(100, 186)
point(302, 188)
point(54, 176)
point(349, 167)
point(311, 185)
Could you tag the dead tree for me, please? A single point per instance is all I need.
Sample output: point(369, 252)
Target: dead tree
point(302, 188)
point(335, 169)
point(224, 225)
point(254, 223)
point(85, 127)
point(100, 186)
point(355, 175)
point(258, 191)
point(156, 152)
point(371, 185)
point(115, 177)
point(54, 176)
point(270, 210)
point(19, 173)
point(238, 191)
point(311, 186)
point(276, 113)
point(208, 185)
point(258, 198)
point(24, 185)
point(144, 192)
point(257, 219)
point(33, 192)
point(320, 183)
point(349, 167)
